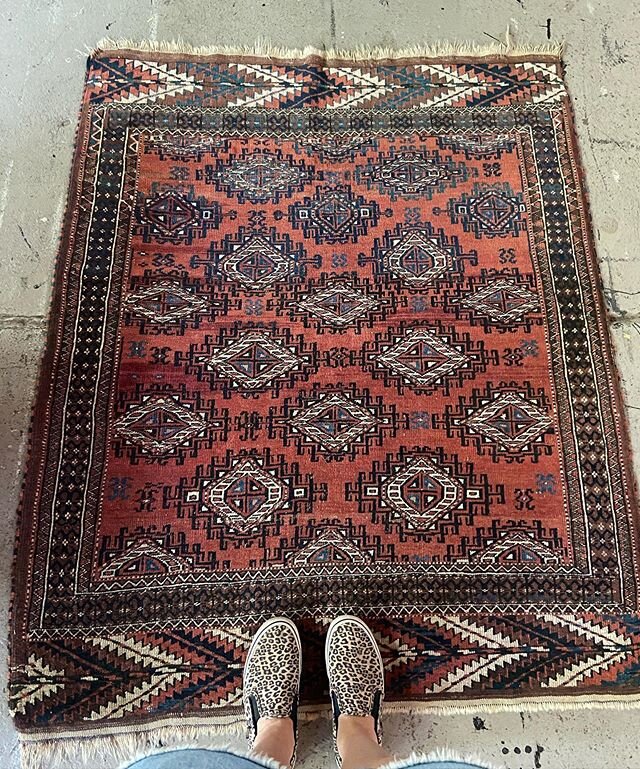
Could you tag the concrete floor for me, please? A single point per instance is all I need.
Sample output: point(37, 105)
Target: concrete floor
point(42, 56)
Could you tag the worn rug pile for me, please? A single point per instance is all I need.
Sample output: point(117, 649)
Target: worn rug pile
point(326, 336)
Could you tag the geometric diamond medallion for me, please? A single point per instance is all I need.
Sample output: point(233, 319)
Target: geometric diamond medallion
point(422, 357)
point(338, 305)
point(412, 173)
point(159, 424)
point(510, 420)
point(245, 496)
point(502, 300)
point(170, 212)
point(417, 259)
point(422, 492)
point(253, 360)
point(490, 210)
point(261, 177)
point(493, 210)
point(334, 421)
point(256, 263)
point(331, 547)
point(334, 215)
point(164, 301)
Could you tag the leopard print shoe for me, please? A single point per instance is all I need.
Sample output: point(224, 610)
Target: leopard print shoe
point(271, 679)
point(356, 673)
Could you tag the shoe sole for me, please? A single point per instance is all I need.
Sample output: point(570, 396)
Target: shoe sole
point(269, 624)
point(350, 618)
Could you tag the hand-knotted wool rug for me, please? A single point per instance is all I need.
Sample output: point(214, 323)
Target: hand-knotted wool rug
point(326, 337)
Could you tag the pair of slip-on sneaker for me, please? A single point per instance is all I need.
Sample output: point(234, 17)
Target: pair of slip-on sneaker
point(274, 663)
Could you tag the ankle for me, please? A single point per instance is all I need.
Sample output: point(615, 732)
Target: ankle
point(357, 743)
point(281, 726)
point(275, 738)
point(358, 727)
point(358, 723)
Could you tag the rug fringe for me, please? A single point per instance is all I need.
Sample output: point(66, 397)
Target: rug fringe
point(119, 749)
point(495, 705)
point(516, 705)
point(119, 752)
point(265, 49)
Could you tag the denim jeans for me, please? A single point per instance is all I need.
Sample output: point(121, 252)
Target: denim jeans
point(199, 758)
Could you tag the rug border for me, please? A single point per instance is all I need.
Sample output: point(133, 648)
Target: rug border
point(235, 722)
point(621, 411)
point(34, 461)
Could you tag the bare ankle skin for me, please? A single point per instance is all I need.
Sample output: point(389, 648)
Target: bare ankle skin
point(358, 744)
point(275, 739)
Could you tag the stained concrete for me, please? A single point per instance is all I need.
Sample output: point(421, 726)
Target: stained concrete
point(42, 56)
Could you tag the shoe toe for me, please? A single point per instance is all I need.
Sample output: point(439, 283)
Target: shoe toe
point(354, 667)
point(272, 673)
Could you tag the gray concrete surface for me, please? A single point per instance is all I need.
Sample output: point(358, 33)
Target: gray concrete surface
point(42, 53)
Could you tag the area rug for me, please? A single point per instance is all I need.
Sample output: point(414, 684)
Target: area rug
point(327, 336)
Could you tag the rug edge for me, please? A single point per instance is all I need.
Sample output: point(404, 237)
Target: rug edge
point(267, 50)
point(620, 400)
point(34, 440)
point(235, 723)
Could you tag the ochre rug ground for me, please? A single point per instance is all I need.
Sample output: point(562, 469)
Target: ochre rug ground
point(326, 337)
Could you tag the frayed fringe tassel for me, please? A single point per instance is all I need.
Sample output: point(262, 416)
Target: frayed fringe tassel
point(524, 705)
point(266, 50)
point(493, 705)
point(124, 752)
point(106, 751)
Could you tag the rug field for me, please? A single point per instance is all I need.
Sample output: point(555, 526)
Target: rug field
point(327, 336)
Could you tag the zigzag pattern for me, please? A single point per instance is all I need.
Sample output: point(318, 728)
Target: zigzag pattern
point(109, 677)
point(130, 81)
point(185, 83)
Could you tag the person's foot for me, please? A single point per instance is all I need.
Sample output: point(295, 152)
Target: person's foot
point(271, 683)
point(356, 687)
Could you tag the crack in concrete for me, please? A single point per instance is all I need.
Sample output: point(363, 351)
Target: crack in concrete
point(332, 23)
point(24, 237)
point(593, 154)
point(623, 145)
point(22, 321)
